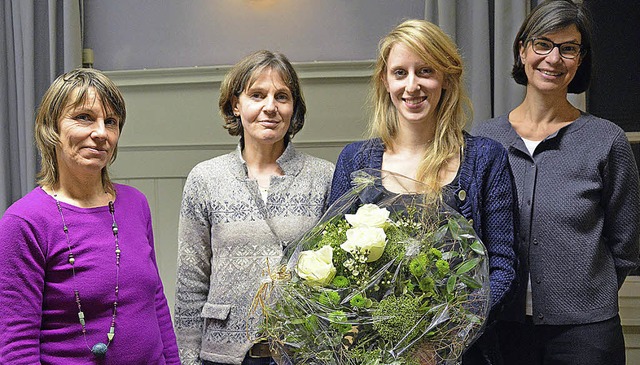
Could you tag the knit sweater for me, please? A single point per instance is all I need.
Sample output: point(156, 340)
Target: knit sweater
point(39, 321)
point(489, 201)
point(580, 214)
point(227, 236)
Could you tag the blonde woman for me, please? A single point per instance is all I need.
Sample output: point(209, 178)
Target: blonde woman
point(417, 130)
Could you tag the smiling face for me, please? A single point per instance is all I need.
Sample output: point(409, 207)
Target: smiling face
point(414, 86)
point(265, 108)
point(88, 137)
point(551, 73)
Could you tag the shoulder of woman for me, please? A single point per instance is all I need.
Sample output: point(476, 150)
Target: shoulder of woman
point(128, 192)
point(489, 126)
point(24, 207)
point(593, 122)
point(211, 168)
point(484, 143)
point(360, 147)
point(320, 163)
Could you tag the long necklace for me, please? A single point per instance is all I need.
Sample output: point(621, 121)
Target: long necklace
point(100, 348)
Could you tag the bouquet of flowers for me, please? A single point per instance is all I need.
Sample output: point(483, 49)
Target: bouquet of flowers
point(383, 278)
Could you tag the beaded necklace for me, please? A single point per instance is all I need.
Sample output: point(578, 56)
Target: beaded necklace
point(100, 348)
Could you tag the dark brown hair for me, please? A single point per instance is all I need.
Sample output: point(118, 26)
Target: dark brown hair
point(551, 16)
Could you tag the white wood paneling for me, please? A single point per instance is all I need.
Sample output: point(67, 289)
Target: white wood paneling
point(630, 317)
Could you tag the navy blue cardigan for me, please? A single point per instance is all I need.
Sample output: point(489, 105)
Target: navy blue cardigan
point(490, 201)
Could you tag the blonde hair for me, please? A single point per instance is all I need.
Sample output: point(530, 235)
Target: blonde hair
point(453, 111)
point(70, 90)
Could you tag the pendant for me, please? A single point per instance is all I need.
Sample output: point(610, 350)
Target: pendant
point(99, 349)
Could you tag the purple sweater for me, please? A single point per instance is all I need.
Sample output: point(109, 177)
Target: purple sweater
point(39, 321)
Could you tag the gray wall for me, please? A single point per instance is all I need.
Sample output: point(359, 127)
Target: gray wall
point(148, 34)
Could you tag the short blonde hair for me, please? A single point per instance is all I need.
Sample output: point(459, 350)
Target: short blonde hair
point(429, 42)
point(70, 90)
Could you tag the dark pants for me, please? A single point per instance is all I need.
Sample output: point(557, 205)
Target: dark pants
point(485, 351)
point(597, 343)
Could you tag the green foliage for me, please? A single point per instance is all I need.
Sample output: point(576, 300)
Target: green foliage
point(340, 282)
point(429, 289)
point(396, 318)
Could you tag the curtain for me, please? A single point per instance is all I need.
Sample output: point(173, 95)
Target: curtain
point(484, 32)
point(41, 39)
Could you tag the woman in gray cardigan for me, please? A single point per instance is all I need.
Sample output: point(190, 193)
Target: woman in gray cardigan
point(240, 210)
point(577, 185)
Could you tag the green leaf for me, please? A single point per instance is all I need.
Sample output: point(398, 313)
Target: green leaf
point(451, 283)
point(467, 266)
point(454, 228)
point(478, 248)
point(470, 282)
point(449, 255)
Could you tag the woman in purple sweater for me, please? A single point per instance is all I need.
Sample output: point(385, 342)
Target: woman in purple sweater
point(78, 274)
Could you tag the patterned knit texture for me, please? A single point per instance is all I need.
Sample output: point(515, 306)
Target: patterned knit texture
point(580, 212)
point(490, 200)
point(227, 235)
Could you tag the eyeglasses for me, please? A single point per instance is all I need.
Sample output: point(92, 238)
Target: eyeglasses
point(543, 46)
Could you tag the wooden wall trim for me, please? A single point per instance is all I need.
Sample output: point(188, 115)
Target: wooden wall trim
point(223, 146)
point(208, 74)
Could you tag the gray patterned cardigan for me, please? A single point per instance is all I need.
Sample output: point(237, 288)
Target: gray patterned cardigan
point(226, 234)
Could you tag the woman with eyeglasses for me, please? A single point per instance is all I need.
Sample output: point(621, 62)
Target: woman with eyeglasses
point(577, 184)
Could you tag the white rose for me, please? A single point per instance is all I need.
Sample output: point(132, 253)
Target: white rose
point(316, 266)
point(363, 239)
point(368, 215)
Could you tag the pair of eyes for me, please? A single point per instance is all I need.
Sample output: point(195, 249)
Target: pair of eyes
point(87, 118)
point(546, 45)
point(281, 96)
point(543, 46)
point(424, 71)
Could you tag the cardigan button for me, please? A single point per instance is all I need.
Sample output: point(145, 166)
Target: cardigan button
point(462, 195)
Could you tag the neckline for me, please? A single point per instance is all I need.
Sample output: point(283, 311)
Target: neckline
point(76, 208)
